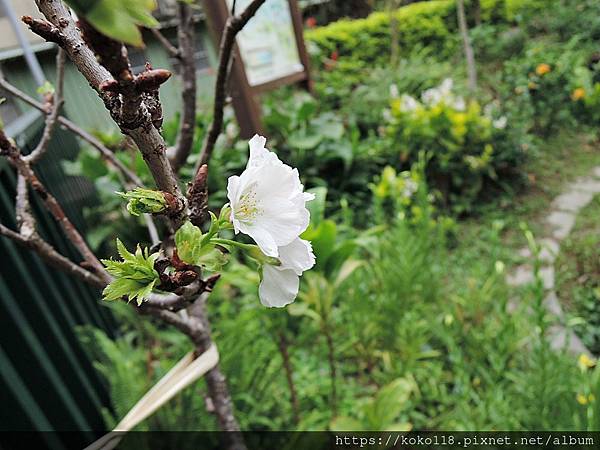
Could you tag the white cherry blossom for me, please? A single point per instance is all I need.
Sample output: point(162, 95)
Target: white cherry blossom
point(280, 284)
point(268, 200)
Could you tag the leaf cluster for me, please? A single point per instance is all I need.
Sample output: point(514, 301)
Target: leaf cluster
point(135, 276)
point(142, 201)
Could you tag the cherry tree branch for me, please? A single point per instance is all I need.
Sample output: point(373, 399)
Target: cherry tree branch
point(51, 256)
point(131, 100)
point(13, 154)
point(106, 153)
point(170, 48)
point(215, 380)
point(187, 125)
point(233, 26)
point(54, 103)
point(25, 219)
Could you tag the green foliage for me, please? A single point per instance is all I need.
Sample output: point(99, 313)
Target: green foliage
point(346, 51)
point(408, 305)
point(543, 78)
point(135, 276)
point(585, 94)
point(364, 103)
point(381, 412)
point(193, 249)
point(464, 146)
point(144, 201)
point(578, 276)
point(46, 89)
point(118, 19)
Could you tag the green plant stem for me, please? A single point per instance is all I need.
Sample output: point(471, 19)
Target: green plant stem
point(287, 365)
point(232, 243)
point(332, 368)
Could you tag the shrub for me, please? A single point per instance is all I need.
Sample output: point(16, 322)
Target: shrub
point(544, 78)
point(345, 51)
point(465, 145)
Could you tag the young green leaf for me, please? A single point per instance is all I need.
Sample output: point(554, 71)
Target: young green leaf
point(135, 276)
point(192, 250)
point(144, 201)
point(118, 19)
point(46, 89)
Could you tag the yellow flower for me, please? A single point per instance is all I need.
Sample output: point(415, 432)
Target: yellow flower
point(542, 69)
point(582, 399)
point(578, 94)
point(532, 86)
point(585, 362)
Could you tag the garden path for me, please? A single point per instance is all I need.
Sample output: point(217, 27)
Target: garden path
point(560, 221)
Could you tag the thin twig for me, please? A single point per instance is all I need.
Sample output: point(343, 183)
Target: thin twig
point(468, 49)
point(51, 256)
point(215, 380)
point(106, 153)
point(8, 149)
point(54, 104)
point(170, 48)
point(233, 26)
point(187, 125)
point(135, 118)
point(131, 179)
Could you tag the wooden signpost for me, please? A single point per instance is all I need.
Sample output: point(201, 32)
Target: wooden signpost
point(269, 53)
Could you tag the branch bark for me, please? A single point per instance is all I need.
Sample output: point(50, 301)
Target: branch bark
point(106, 153)
point(215, 380)
point(187, 124)
point(54, 104)
point(170, 48)
point(289, 375)
point(8, 149)
point(232, 27)
point(129, 107)
point(51, 256)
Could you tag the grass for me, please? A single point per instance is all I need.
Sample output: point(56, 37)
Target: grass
point(578, 275)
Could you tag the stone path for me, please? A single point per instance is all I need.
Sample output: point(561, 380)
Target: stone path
point(560, 221)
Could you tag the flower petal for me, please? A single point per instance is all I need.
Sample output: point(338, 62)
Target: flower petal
point(233, 194)
point(259, 155)
point(297, 256)
point(262, 237)
point(278, 287)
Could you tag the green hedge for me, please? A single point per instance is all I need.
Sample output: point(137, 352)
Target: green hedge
point(432, 24)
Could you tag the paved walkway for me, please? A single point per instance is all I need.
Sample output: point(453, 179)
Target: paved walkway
point(560, 221)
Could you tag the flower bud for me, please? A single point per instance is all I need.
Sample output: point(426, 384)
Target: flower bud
point(141, 201)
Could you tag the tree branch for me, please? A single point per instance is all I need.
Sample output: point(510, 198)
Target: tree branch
point(51, 256)
point(128, 108)
point(233, 26)
point(170, 48)
point(8, 149)
point(187, 125)
point(215, 380)
point(54, 104)
point(25, 219)
point(106, 153)
point(468, 49)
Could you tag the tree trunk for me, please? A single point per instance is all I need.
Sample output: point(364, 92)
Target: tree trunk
point(218, 390)
point(464, 32)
